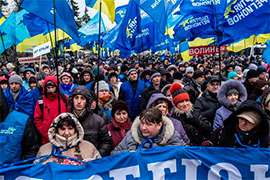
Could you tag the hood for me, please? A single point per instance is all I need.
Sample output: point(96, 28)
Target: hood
point(231, 84)
point(82, 90)
point(66, 74)
point(154, 97)
point(50, 78)
point(165, 88)
point(87, 70)
point(265, 97)
point(249, 105)
point(60, 141)
point(167, 125)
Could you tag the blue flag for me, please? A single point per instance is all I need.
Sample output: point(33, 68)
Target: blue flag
point(64, 14)
point(159, 10)
point(245, 18)
point(120, 13)
point(7, 31)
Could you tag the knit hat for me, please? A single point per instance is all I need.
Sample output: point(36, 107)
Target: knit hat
point(132, 69)
point(15, 79)
point(102, 85)
point(3, 80)
point(178, 93)
point(232, 74)
point(189, 69)
point(261, 69)
point(252, 67)
point(237, 68)
point(112, 74)
point(252, 74)
point(251, 116)
point(41, 75)
point(197, 74)
point(177, 75)
point(155, 74)
point(232, 91)
point(120, 104)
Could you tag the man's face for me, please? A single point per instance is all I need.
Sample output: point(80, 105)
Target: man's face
point(86, 77)
point(213, 86)
point(263, 76)
point(47, 70)
point(79, 102)
point(28, 74)
point(113, 80)
point(133, 76)
point(200, 79)
point(15, 87)
point(253, 80)
point(190, 74)
point(103, 93)
point(156, 80)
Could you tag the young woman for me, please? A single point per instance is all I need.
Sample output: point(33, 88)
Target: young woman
point(66, 144)
point(230, 95)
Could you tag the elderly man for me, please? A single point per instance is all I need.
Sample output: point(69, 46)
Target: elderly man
point(131, 93)
point(18, 97)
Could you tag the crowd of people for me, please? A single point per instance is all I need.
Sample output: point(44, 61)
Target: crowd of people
point(131, 104)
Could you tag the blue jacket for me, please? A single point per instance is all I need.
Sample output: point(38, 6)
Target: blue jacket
point(35, 94)
point(24, 102)
point(133, 99)
point(67, 90)
point(11, 135)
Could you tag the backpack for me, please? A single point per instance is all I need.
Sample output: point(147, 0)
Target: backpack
point(40, 102)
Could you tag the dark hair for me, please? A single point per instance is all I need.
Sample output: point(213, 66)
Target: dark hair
point(67, 122)
point(159, 101)
point(151, 115)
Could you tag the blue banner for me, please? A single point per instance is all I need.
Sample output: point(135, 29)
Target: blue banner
point(158, 163)
point(8, 32)
point(120, 13)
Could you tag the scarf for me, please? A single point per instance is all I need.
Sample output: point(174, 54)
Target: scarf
point(15, 95)
point(104, 99)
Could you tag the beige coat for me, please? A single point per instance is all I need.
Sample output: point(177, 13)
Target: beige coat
point(79, 148)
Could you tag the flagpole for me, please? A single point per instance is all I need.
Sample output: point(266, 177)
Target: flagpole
point(56, 60)
point(99, 30)
point(218, 40)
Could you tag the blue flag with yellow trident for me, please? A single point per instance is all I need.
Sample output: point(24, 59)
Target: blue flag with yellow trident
point(64, 14)
point(159, 10)
point(245, 18)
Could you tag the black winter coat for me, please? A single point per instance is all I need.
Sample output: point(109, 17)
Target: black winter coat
point(193, 90)
point(206, 106)
point(96, 132)
point(225, 136)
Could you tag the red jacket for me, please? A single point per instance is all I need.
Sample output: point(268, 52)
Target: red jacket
point(117, 132)
point(43, 119)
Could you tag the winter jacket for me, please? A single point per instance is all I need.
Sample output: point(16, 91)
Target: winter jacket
point(44, 118)
point(206, 106)
point(197, 130)
point(265, 95)
point(117, 132)
point(146, 94)
point(77, 147)
point(193, 89)
point(36, 93)
point(134, 138)
point(177, 124)
point(133, 98)
point(4, 109)
point(67, 89)
point(248, 87)
point(18, 138)
point(227, 106)
point(226, 136)
point(95, 128)
point(23, 103)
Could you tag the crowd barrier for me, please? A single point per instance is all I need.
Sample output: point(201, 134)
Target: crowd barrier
point(158, 164)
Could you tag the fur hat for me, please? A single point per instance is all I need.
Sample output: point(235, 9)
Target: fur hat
point(178, 93)
point(15, 79)
point(251, 116)
point(120, 104)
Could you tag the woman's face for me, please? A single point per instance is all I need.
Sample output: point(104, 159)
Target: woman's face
point(149, 129)
point(183, 105)
point(163, 107)
point(66, 131)
point(233, 98)
point(66, 80)
point(121, 116)
point(245, 125)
